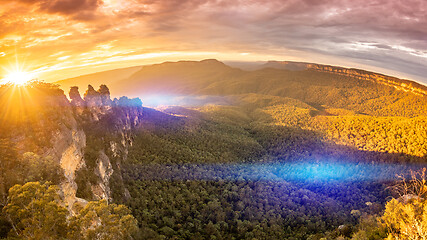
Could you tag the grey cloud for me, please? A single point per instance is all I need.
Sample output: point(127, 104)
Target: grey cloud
point(78, 9)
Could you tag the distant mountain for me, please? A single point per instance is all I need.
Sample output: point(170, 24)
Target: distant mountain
point(356, 90)
point(182, 78)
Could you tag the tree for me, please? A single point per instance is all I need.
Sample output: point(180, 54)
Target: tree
point(8, 161)
point(34, 211)
point(406, 220)
point(103, 221)
point(39, 168)
point(406, 216)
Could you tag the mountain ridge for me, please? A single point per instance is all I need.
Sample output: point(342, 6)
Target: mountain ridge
point(398, 83)
point(319, 85)
point(130, 77)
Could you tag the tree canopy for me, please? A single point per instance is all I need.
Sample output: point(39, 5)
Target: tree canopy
point(36, 211)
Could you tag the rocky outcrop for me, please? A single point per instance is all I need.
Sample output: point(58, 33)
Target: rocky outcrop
point(104, 93)
point(72, 159)
point(113, 122)
point(89, 137)
point(399, 84)
point(76, 100)
point(93, 102)
point(104, 170)
point(98, 102)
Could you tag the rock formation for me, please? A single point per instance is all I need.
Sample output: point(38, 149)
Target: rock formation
point(113, 123)
point(399, 84)
point(88, 136)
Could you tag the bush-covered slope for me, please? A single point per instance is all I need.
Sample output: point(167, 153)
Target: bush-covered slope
point(190, 173)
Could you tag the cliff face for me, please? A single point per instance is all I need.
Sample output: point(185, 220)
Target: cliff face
point(399, 84)
point(88, 137)
point(91, 161)
point(72, 159)
point(91, 139)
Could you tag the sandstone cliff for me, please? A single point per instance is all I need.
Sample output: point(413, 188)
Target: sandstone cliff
point(399, 84)
point(109, 127)
point(89, 137)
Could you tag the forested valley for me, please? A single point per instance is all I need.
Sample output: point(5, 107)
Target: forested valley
point(228, 171)
point(305, 160)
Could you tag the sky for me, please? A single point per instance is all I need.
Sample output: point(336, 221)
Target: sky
point(57, 39)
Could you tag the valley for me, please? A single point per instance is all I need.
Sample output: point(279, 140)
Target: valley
point(272, 153)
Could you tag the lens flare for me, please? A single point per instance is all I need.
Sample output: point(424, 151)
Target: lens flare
point(309, 172)
point(18, 77)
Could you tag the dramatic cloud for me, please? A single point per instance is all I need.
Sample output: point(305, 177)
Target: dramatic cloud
point(54, 35)
point(66, 7)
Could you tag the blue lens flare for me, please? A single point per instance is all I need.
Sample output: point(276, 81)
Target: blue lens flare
point(340, 171)
point(301, 171)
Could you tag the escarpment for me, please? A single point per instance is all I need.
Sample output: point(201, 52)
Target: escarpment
point(108, 126)
point(397, 83)
point(89, 137)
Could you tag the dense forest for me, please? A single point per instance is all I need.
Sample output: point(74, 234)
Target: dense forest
point(223, 168)
point(302, 155)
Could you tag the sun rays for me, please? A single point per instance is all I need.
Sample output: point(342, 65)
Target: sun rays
point(18, 77)
point(17, 73)
point(14, 90)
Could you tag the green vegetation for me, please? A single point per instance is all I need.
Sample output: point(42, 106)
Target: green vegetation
point(167, 203)
point(100, 220)
point(172, 171)
point(28, 167)
point(381, 134)
point(35, 211)
point(405, 216)
point(269, 130)
point(366, 133)
point(16, 169)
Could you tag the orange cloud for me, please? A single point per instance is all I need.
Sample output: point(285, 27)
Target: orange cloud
point(54, 35)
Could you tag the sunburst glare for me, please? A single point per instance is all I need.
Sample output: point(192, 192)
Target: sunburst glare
point(18, 74)
point(18, 77)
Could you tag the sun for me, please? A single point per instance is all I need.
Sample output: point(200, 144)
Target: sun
point(18, 77)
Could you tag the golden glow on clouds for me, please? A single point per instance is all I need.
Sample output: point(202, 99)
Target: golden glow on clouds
point(63, 38)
